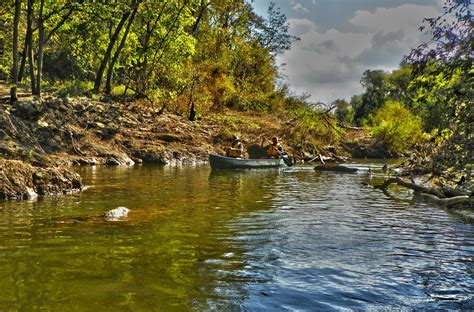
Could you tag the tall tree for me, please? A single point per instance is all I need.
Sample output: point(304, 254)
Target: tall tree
point(108, 84)
point(374, 96)
point(14, 73)
point(44, 36)
point(108, 52)
point(273, 32)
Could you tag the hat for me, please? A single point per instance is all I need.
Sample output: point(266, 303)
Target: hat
point(235, 138)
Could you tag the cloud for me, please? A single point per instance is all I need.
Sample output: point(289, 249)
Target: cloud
point(328, 63)
point(302, 26)
point(406, 17)
point(298, 7)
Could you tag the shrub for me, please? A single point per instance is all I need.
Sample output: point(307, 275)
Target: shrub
point(396, 126)
point(74, 88)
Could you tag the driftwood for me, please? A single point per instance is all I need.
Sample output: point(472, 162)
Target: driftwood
point(335, 168)
point(427, 194)
point(412, 186)
point(346, 126)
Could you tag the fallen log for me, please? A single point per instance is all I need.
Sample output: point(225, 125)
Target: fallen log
point(412, 186)
point(444, 201)
point(335, 168)
point(427, 194)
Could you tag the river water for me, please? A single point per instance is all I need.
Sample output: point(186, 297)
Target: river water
point(263, 240)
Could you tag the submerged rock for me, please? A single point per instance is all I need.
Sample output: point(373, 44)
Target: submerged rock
point(117, 213)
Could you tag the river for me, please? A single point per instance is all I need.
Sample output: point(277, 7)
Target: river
point(261, 240)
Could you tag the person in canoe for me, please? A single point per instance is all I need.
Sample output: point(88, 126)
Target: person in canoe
point(236, 149)
point(274, 150)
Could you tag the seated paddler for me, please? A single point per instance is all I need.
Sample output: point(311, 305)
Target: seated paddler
point(236, 149)
point(274, 150)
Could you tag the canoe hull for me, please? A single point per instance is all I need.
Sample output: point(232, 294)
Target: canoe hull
point(221, 162)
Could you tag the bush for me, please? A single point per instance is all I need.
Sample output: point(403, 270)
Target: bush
point(74, 88)
point(396, 126)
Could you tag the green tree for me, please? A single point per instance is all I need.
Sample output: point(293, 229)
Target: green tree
point(396, 126)
point(14, 72)
point(374, 96)
point(272, 32)
point(443, 85)
point(344, 112)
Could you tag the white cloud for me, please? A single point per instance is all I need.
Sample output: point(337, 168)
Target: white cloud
point(407, 17)
point(328, 64)
point(298, 7)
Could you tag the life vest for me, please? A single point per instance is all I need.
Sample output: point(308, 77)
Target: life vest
point(235, 150)
point(272, 150)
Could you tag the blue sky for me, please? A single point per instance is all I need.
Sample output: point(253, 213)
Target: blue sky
point(342, 38)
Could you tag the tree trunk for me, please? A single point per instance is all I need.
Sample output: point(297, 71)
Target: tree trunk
point(108, 84)
point(29, 46)
point(202, 9)
point(141, 79)
point(22, 62)
point(39, 61)
point(16, 21)
point(108, 53)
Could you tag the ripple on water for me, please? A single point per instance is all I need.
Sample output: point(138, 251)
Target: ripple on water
point(290, 240)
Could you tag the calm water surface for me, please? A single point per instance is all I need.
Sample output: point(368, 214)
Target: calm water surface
point(268, 240)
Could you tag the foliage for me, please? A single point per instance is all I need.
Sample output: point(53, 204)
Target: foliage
point(374, 96)
point(207, 51)
point(74, 88)
point(273, 32)
point(444, 85)
point(396, 126)
point(344, 112)
point(310, 123)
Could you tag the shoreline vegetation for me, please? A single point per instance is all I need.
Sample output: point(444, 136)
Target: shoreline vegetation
point(169, 83)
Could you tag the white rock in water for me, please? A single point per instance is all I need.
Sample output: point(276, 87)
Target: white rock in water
point(116, 213)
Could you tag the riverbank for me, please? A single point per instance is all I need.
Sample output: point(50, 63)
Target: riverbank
point(57, 133)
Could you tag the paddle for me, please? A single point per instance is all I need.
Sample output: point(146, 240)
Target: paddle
point(285, 158)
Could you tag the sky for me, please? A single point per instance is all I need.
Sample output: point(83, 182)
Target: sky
point(340, 39)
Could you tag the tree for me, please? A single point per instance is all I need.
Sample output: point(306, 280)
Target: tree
point(108, 84)
point(444, 86)
point(108, 53)
point(397, 85)
point(374, 96)
point(344, 111)
point(14, 73)
point(396, 126)
point(273, 32)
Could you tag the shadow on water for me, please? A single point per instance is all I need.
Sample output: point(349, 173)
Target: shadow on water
point(196, 239)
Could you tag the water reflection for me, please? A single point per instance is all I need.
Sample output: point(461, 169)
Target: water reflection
point(196, 239)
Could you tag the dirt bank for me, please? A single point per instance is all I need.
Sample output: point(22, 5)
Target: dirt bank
point(55, 133)
point(19, 180)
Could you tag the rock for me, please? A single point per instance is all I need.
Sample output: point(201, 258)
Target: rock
point(138, 160)
point(87, 161)
point(112, 162)
point(22, 181)
point(117, 213)
point(120, 160)
point(26, 110)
